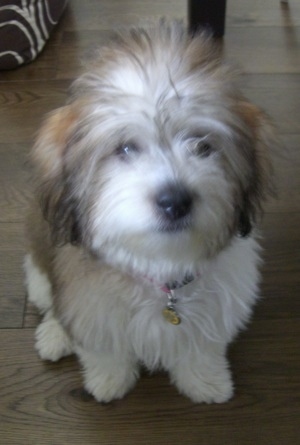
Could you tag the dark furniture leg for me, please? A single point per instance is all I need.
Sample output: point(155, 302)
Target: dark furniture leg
point(208, 14)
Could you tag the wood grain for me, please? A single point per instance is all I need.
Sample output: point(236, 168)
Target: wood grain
point(267, 13)
point(44, 403)
point(24, 106)
point(12, 297)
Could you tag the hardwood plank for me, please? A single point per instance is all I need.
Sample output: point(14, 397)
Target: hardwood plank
point(263, 49)
point(76, 48)
point(277, 94)
point(281, 267)
point(286, 161)
point(24, 105)
point(281, 104)
point(11, 237)
point(262, 81)
point(12, 297)
point(280, 235)
point(37, 397)
point(14, 181)
point(263, 13)
point(116, 13)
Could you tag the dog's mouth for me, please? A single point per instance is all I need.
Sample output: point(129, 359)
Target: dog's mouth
point(181, 225)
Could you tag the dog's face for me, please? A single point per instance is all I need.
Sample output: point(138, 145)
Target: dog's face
point(157, 162)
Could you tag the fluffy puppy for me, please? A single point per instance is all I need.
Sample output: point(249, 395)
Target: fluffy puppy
point(141, 242)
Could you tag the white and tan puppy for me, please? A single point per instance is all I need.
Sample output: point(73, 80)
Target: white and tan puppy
point(142, 246)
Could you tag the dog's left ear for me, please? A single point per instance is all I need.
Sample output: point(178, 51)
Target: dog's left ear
point(259, 184)
point(53, 180)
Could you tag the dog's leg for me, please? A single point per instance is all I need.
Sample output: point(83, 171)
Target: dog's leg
point(203, 378)
point(38, 285)
point(52, 342)
point(107, 377)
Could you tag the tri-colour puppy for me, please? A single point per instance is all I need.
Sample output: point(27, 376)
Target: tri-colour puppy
point(142, 245)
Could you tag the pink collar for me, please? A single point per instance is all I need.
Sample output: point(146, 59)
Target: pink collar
point(170, 312)
point(172, 285)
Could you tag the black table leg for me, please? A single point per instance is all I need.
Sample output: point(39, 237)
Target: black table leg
point(208, 14)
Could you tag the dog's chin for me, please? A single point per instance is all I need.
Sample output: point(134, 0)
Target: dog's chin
point(170, 251)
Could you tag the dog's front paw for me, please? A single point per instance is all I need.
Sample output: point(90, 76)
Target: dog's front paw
point(107, 379)
point(204, 385)
point(52, 342)
point(106, 388)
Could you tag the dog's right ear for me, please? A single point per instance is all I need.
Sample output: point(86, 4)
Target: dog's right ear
point(53, 181)
point(259, 185)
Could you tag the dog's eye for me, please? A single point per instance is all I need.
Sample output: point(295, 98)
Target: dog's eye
point(200, 147)
point(127, 150)
point(203, 148)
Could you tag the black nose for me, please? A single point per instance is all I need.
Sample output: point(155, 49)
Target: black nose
point(174, 201)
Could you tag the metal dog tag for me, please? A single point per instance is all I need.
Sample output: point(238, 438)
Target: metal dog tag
point(171, 316)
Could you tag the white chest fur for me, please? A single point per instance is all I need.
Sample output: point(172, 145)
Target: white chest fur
point(105, 311)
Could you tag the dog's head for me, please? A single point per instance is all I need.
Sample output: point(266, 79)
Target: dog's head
point(157, 159)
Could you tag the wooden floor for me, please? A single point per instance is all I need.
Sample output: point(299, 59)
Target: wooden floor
point(43, 403)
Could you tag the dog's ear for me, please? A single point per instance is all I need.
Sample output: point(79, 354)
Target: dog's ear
point(52, 180)
point(259, 183)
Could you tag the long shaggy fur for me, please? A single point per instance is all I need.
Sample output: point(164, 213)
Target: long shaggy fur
point(156, 112)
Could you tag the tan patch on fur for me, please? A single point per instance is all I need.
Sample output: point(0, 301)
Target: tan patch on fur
point(60, 125)
point(53, 139)
point(38, 240)
point(249, 113)
point(264, 138)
